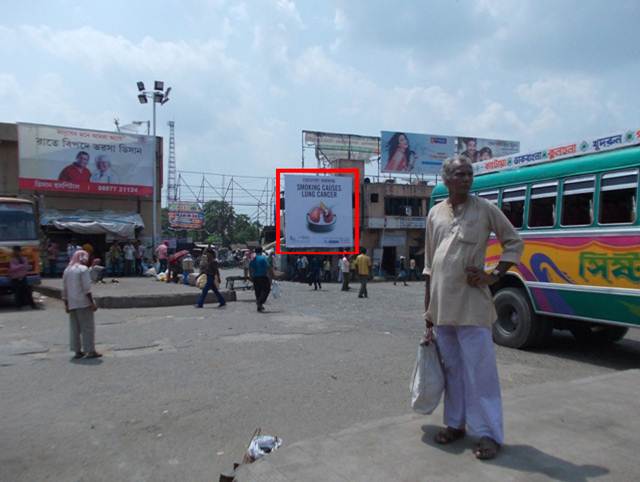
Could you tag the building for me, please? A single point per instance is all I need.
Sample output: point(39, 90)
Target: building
point(393, 222)
point(392, 218)
point(97, 218)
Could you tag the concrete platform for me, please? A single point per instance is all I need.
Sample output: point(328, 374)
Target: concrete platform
point(576, 431)
point(137, 293)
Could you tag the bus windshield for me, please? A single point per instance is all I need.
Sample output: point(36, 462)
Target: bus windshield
point(17, 222)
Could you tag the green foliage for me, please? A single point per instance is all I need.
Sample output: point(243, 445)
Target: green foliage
point(244, 230)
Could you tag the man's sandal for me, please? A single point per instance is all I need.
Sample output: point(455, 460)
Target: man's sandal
point(486, 449)
point(448, 435)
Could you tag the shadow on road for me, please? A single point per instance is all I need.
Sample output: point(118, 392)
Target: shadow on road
point(8, 305)
point(623, 355)
point(523, 458)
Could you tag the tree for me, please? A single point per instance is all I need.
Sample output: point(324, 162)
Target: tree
point(244, 230)
point(219, 217)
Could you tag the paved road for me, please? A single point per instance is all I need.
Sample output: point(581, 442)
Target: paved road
point(180, 390)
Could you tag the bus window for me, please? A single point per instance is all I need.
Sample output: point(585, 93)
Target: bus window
point(542, 207)
point(491, 196)
point(618, 192)
point(17, 222)
point(513, 205)
point(577, 201)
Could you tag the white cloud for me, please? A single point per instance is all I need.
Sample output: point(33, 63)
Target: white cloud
point(100, 51)
point(288, 7)
point(340, 21)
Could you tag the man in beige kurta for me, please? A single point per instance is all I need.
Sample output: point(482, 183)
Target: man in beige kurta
point(459, 303)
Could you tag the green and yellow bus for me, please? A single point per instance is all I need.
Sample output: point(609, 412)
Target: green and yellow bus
point(580, 269)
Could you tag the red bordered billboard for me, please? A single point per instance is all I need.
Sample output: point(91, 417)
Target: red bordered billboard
point(355, 174)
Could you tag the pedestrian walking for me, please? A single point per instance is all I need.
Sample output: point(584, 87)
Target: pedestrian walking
point(129, 253)
point(363, 267)
point(115, 255)
point(18, 269)
point(162, 254)
point(345, 272)
point(52, 258)
point(246, 259)
point(304, 269)
point(209, 266)
point(413, 273)
point(401, 272)
point(326, 267)
point(459, 303)
point(79, 303)
point(261, 275)
point(315, 273)
point(140, 252)
point(72, 247)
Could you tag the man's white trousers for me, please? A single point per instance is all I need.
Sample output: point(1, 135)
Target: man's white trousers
point(472, 388)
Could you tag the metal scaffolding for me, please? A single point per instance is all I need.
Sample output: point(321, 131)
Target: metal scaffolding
point(250, 195)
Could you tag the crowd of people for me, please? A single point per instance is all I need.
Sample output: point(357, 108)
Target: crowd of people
point(316, 269)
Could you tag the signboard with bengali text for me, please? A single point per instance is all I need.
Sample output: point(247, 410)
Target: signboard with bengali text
point(601, 144)
point(185, 215)
point(67, 159)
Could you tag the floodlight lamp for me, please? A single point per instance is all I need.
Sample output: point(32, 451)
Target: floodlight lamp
point(158, 85)
point(142, 99)
point(140, 86)
point(157, 97)
point(166, 94)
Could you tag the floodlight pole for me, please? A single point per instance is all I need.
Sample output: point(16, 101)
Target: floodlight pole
point(158, 94)
point(154, 236)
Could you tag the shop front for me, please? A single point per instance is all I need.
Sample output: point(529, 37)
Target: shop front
point(95, 231)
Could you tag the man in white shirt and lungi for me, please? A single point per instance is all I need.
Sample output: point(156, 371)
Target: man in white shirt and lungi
point(459, 303)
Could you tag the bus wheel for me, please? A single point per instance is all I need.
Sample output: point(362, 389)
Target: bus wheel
point(515, 326)
point(598, 334)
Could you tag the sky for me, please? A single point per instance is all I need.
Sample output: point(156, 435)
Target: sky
point(248, 76)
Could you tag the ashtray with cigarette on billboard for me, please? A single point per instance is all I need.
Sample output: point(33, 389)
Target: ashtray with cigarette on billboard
point(321, 219)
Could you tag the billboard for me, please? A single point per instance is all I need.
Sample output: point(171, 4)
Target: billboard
point(74, 160)
point(478, 149)
point(318, 211)
point(410, 153)
point(185, 215)
point(332, 147)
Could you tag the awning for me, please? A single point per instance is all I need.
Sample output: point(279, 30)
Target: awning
point(120, 224)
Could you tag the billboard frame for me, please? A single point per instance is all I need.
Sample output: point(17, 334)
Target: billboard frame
point(356, 208)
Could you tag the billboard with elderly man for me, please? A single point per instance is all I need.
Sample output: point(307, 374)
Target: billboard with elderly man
point(67, 159)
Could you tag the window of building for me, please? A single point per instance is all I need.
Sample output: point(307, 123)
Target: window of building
point(618, 191)
point(513, 205)
point(374, 197)
point(402, 206)
point(577, 201)
point(489, 196)
point(542, 207)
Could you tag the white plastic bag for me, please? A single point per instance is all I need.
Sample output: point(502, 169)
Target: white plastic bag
point(427, 382)
point(276, 290)
point(201, 281)
point(262, 445)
